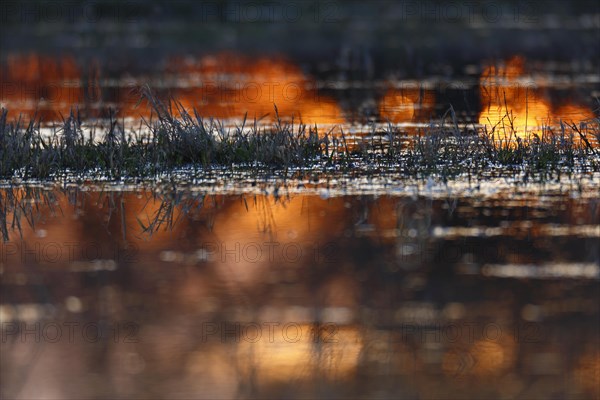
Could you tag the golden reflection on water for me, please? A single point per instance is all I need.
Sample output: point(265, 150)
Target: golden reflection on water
point(231, 86)
point(223, 86)
point(389, 306)
point(407, 105)
point(50, 85)
point(295, 352)
point(515, 107)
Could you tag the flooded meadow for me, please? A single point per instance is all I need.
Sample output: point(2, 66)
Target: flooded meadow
point(342, 202)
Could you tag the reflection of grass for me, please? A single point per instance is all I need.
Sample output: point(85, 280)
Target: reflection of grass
point(179, 139)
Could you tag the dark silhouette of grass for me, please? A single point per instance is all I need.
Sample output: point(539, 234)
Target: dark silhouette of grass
point(177, 139)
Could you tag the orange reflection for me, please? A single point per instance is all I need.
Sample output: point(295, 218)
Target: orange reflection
point(295, 352)
point(484, 358)
point(46, 228)
point(144, 210)
point(33, 82)
point(587, 373)
point(222, 86)
point(493, 358)
point(405, 105)
point(574, 113)
point(293, 224)
point(227, 86)
point(515, 108)
point(284, 350)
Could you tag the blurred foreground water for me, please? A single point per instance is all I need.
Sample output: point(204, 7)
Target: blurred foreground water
point(132, 293)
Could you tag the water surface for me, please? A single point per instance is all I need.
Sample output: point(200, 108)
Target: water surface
point(300, 294)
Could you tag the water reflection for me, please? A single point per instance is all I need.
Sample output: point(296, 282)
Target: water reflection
point(229, 86)
point(263, 296)
point(48, 85)
point(224, 86)
point(515, 106)
point(406, 105)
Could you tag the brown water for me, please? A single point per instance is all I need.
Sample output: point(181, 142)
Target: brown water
point(133, 293)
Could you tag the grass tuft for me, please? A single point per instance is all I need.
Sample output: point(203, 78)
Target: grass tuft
point(175, 138)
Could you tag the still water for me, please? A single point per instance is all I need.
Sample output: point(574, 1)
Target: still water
point(131, 292)
point(329, 282)
point(369, 286)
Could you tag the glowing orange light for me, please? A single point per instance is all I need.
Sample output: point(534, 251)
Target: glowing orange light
point(515, 108)
point(293, 352)
point(406, 105)
point(232, 86)
point(47, 85)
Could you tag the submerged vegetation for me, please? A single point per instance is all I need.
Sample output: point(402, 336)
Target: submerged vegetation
point(176, 139)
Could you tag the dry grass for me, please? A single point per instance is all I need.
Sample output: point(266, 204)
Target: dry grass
point(177, 139)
